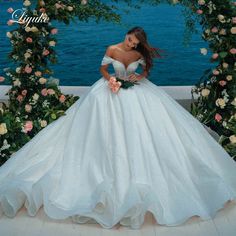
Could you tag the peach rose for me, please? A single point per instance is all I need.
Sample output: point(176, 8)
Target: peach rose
point(19, 98)
point(38, 73)
point(62, 98)
point(50, 91)
point(2, 78)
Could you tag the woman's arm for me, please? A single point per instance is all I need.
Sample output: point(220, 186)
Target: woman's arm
point(143, 74)
point(103, 68)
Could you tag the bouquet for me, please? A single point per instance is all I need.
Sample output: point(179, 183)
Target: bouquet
point(115, 83)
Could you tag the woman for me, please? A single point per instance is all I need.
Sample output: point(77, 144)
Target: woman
point(124, 148)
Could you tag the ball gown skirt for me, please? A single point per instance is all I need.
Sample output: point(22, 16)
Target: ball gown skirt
point(113, 157)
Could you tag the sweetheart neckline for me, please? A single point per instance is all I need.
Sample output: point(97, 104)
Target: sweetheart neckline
point(126, 68)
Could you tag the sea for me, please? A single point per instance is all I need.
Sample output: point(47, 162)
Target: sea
point(82, 45)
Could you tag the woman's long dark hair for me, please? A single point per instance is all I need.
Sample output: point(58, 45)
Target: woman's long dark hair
point(144, 47)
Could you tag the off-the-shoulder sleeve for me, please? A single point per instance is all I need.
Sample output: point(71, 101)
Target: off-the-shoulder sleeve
point(106, 60)
point(142, 62)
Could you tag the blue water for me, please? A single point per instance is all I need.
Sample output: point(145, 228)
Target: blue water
point(81, 46)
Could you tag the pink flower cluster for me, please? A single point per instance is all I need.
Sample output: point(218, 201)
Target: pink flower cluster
point(113, 84)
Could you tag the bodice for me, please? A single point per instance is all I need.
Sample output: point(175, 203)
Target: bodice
point(120, 70)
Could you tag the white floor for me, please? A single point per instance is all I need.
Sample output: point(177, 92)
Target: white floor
point(224, 224)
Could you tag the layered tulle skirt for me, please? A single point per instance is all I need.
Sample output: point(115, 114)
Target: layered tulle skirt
point(113, 157)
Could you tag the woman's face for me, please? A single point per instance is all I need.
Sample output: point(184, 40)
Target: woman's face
point(131, 41)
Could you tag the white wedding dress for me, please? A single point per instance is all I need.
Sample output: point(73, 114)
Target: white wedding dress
point(113, 157)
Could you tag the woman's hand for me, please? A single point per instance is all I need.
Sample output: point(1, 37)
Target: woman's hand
point(133, 77)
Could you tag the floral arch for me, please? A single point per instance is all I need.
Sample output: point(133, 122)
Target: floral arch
point(35, 101)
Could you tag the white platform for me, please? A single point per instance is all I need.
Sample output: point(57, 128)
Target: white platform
point(177, 92)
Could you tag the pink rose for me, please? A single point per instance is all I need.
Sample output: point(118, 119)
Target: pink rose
point(10, 10)
point(45, 52)
point(19, 98)
point(218, 117)
point(62, 98)
point(42, 10)
point(54, 31)
point(24, 92)
point(216, 72)
point(57, 5)
point(2, 78)
point(10, 22)
point(215, 56)
point(50, 91)
point(29, 40)
point(38, 73)
point(28, 69)
point(232, 50)
point(222, 82)
point(214, 30)
point(28, 126)
point(44, 92)
point(199, 11)
point(234, 20)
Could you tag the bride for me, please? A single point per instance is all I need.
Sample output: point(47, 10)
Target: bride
point(120, 152)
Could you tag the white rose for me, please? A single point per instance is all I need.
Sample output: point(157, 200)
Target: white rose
point(220, 102)
point(9, 35)
point(35, 97)
point(229, 77)
point(203, 51)
point(28, 108)
point(83, 2)
point(27, 29)
point(52, 43)
point(43, 123)
point(234, 102)
point(201, 2)
point(42, 80)
point(70, 8)
point(232, 139)
point(225, 65)
point(27, 55)
point(17, 83)
point(34, 29)
point(205, 92)
point(27, 3)
point(3, 128)
point(18, 69)
point(221, 18)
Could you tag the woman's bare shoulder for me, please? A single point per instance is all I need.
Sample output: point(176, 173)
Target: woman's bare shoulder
point(110, 50)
